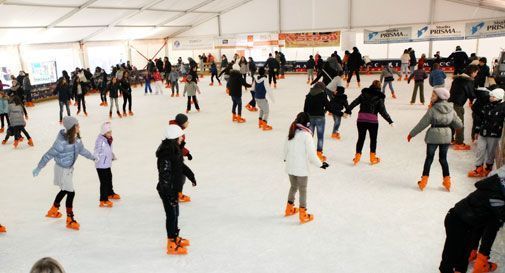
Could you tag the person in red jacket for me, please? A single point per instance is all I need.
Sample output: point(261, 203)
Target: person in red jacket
point(181, 120)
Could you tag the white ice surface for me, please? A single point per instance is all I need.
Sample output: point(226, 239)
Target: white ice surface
point(367, 218)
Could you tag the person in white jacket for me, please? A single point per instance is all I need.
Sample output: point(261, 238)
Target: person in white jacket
point(299, 152)
point(405, 59)
point(103, 163)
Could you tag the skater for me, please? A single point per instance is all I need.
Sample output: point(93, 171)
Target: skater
point(114, 90)
point(126, 91)
point(462, 89)
point(272, 66)
point(4, 111)
point(47, 265)
point(261, 90)
point(103, 163)
point(338, 103)
point(355, 62)
point(101, 83)
point(63, 91)
point(65, 150)
point(158, 85)
point(419, 76)
point(316, 105)
point(326, 73)
point(405, 60)
point(442, 117)
point(17, 117)
point(371, 102)
point(171, 171)
point(484, 73)
point(489, 130)
point(413, 61)
point(182, 121)
point(252, 68)
point(310, 69)
point(213, 72)
point(437, 77)
point(459, 60)
point(482, 208)
point(387, 77)
point(244, 67)
point(234, 87)
point(167, 68)
point(80, 94)
point(27, 88)
point(174, 81)
point(148, 79)
point(298, 154)
point(191, 88)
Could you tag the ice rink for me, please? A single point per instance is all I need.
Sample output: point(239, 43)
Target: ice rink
point(367, 218)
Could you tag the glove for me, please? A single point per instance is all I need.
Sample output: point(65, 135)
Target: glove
point(190, 157)
point(193, 183)
point(324, 166)
point(36, 172)
point(409, 137)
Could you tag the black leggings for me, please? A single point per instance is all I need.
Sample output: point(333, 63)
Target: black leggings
point(212, 78)
point(457, 245)
point(372, 128)
point(442, 158)
point(127, 98)
point(81, 100)
point(355, 71)
point(2, 116)
point(253, 100)
point(106, 188)
point(103, 94)
point(195, 101)
point(271, 76)
point(70, 199)
point(172, 215)
point(17, 130)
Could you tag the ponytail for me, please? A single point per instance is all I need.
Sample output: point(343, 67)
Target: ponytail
point(292, 130)
point(303, 119)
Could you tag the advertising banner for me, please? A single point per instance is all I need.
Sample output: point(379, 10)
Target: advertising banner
point(438, 32)
point(483, 29)
point(43, 72)
point(311, 39)
point(232, 42)
point(392, 35)
point(191, 44)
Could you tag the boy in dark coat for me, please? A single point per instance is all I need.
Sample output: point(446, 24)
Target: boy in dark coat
point(338, 104)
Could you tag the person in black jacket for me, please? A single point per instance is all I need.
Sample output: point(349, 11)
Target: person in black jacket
point(234, 87)
point(252, 67)
point(171, 173)
point(413, 60)
point(167, 68)
point(126, 90)
point(114, 92)
point(338, 103)
point(316, 105)
point(371, 102)
point(481, 99)
point(483, 209)
point(462, 89)
point(483, 74)
point(490, 130)
point(326, 72)
point(159, 65)
point(459, 60)
point(63, 91)
point(79, 89)
point(355, 62)
point(310, 69)
point(272, 66)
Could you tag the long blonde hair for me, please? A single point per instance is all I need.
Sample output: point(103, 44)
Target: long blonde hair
point(47, 265)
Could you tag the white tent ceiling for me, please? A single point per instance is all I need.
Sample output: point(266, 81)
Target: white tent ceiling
point(53, 21)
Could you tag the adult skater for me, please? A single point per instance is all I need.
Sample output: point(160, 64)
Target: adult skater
point(79, 89)
point(355, 62)
point(326, 73)
point(171, 171)
point(63, 91)
point(103, 163)
point(371, 102)
point(482, 209)
point(273, 67)
point(234, 85)
point(413, 60)
point(126, 90)
point(405, 60)
point(310, 69)
point(213, 73)
point(298, 154)
point(65, 150)
point(442, 117)
point(114, 91)
point(459, 60)
point(483, 74)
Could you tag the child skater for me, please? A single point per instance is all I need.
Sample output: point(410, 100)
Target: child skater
point(174, 81)
point(483, 209)
point(261, 91)
point(158, 85)
point(4, 111)
point(148, 79)
point(182, 121)
point(213, 72)
point(126, 90)
point(103, 163)
point(419, 76)
point(114, 90)
point(171, 171)
point(17, 118)
point(191, 88)
point(338, 103)
point(441, 117)
point(65, 150)
point(388, 76)
point(79, 90)
point(489, 133)
point(371, 102)
point(299, 152)
point(63, 91)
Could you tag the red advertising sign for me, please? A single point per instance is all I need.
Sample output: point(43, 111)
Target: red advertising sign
point(311, 39)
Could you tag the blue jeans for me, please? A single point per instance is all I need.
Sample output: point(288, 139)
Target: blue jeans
point(390, 87)
point(148, 85)
point(337, 120)
point(317, 123)
point(412, 69)
point(237, 103)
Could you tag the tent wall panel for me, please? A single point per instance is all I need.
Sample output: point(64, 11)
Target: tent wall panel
point(94, 17)
point(148, 17)
point(209, 28)
point(244, 19)
point(450, 11)
point(16, 16)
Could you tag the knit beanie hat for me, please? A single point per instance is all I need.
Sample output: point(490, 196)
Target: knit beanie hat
point(106, 127)
point(69, 122)
point(173, 132)
point(498, 93)
point(180, 119)
point(442, 93)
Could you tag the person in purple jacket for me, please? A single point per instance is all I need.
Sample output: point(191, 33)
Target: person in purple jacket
point(103, 163)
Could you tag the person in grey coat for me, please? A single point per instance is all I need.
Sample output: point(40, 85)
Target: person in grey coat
point(65, 150)
point(17, 115)
point(442, 117)
point(27, 88)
